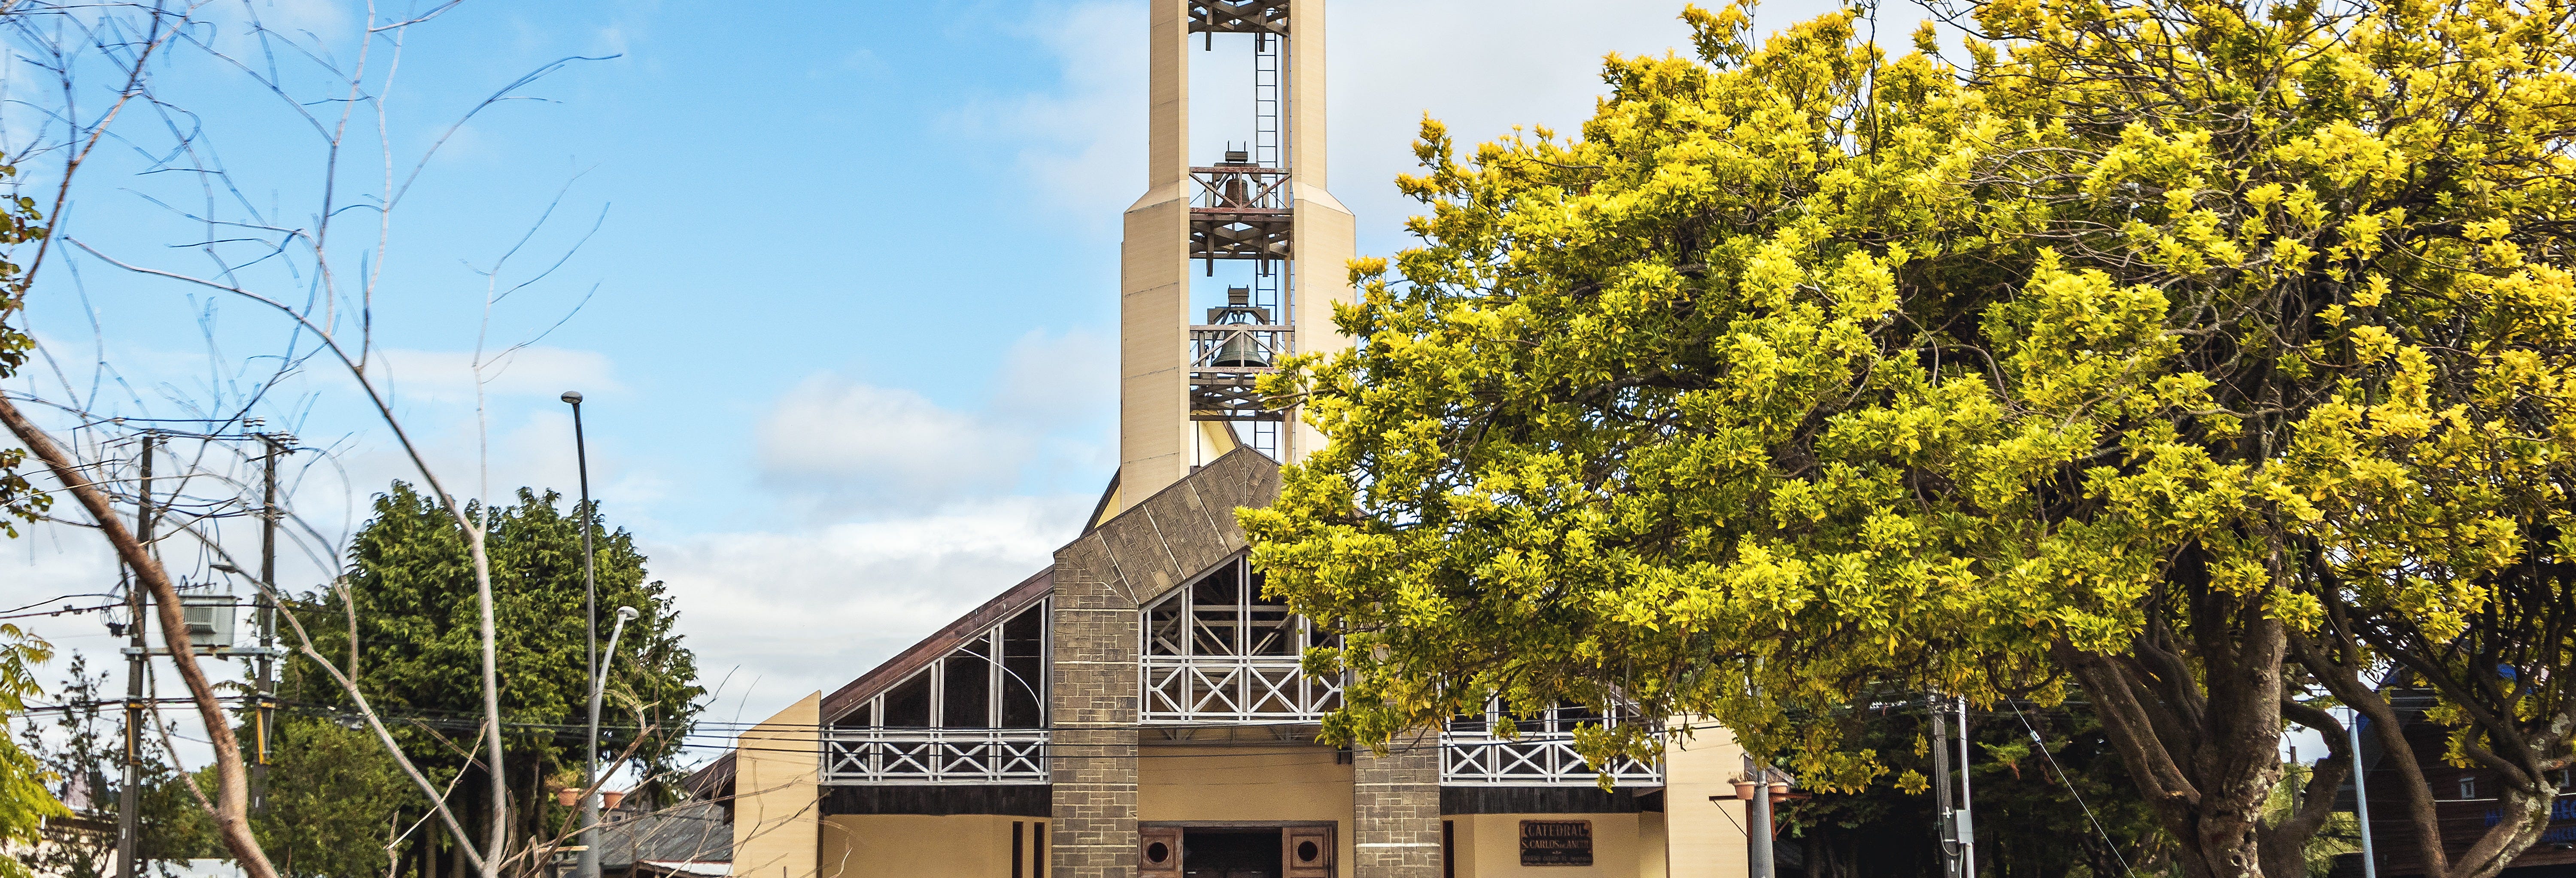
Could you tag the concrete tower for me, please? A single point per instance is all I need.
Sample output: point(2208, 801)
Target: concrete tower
point(1233, 260)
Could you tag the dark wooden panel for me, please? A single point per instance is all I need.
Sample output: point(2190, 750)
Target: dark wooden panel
point(1546, 800)
point(1035, 800)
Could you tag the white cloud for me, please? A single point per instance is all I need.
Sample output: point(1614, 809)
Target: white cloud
point(1059, 380)
point(449, 376)
point(867, 451)
point(883, 446)
point(1083, 141)
point(954, 506)
point(799, 612)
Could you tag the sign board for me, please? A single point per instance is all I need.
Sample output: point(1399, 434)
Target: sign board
point(1556, 842)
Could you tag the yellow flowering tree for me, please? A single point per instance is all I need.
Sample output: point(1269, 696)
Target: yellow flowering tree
point(2209, 357)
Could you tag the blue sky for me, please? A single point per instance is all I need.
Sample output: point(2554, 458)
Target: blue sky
point(848, 338)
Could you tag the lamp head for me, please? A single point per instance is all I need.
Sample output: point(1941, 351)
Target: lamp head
point(572, 396)
point(627, 614)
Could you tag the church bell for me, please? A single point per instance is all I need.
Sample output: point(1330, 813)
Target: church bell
point(1239, 349)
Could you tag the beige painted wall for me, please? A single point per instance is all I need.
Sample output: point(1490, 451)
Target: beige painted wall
point(1702, 840)
point(776, 767)
point(1654, 844)
point(919, 846)
point(1155, 438)
point(1489, 846)
point(1256, 782)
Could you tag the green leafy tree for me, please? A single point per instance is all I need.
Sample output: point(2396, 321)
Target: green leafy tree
point(77, 747)
point(19, 224)
point(25, 803)
point(81, 747)
point(408, 593)
point(334, 801)
point(2029, 824)
point(2209, 354)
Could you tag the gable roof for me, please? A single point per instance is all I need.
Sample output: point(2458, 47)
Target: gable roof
point(847, 699)
point(1182, 531)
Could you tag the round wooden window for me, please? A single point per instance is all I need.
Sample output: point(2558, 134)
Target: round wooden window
point(1157, 852)
point(1306, 852)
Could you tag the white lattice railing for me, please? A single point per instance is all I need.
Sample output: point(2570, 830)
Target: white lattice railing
point(1239, 689)
point(913, 757)
point(1533, 759)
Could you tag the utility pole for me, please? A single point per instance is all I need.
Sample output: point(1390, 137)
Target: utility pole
point(1962, 824)
point(129, 799)
point(263, 609)
point(1957, 828)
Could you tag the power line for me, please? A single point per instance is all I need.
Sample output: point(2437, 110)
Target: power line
point(2070, 789)
point(14, 614)
point(85, 594)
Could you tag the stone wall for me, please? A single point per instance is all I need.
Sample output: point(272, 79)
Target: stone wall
point(1396, 810)
point(1101, 580)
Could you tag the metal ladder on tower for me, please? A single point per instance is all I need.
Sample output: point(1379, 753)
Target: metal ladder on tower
point(1270, 278)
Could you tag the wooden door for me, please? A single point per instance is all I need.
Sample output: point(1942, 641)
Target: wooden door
point(1309, 852)
point(1158, 852)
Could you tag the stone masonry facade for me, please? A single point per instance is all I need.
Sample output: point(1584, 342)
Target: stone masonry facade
point(1101, 581)
point(1396, 803)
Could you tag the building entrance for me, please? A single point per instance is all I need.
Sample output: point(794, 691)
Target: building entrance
point(1231, 852)
point(1235, 851)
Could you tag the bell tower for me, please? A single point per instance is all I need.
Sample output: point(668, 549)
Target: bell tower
point(1233, 260)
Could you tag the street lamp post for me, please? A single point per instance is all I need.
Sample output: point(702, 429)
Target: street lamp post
point(590, 800)
point(589, 865)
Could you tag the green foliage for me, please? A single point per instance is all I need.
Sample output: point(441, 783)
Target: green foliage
point(2340, 835)
point(19, 224)
point(2161, 338)
point(25, 803)
point(418, 658)
point(334, 797)
point(2027, 823)
point(81, 747)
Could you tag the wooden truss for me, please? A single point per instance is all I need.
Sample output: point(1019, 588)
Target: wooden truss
point(1239, 17)
point(1239, 212)
point(1240, 187)
point(1220, 233)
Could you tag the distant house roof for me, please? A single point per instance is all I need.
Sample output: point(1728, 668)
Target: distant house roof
point(692, 832)
point(713, 781)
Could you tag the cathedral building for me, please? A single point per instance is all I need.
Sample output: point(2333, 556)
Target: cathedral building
point(1136, 709)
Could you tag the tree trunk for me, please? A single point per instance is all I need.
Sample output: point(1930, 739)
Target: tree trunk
point(232, 778)
point(2198, 736)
